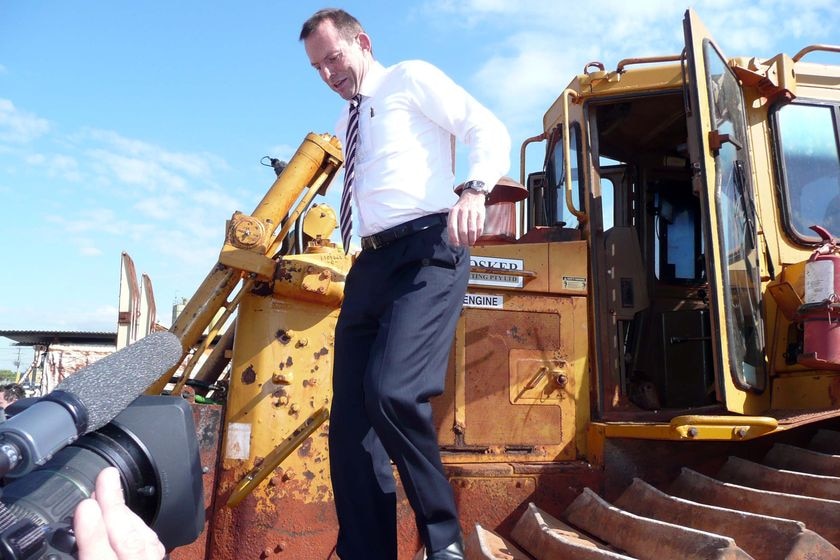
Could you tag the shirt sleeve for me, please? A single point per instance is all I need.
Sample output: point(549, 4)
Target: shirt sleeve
point(452, 108)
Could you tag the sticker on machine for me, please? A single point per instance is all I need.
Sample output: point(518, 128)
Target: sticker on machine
point(238, 441)
point(574, 283)
point(484, 301)
point(490, 271)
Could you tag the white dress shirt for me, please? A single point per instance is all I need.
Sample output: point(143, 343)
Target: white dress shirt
point(408, 116)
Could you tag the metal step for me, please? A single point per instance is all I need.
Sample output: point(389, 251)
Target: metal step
point(547, 538)
point(783, 456)
point(762, 537)
point(755, 475)
point(826, 441)
point(483, 544)
point(819, 515)
point(645, 538)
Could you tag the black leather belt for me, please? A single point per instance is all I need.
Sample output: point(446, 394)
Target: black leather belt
point(388, 236)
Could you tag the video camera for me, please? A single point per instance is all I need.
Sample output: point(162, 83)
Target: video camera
point(153, 444)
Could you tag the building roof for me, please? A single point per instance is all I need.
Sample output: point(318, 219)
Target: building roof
point(32, 338)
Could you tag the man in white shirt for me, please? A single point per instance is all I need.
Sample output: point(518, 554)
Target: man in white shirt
point(404, 293)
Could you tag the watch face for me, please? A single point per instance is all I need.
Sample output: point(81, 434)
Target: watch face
point(476, 186)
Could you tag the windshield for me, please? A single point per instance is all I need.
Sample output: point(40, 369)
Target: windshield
point(736, 225)
point(807, 147)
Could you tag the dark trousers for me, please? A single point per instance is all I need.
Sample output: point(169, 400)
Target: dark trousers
point(392, 344)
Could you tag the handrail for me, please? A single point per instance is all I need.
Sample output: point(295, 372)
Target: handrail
point(811, 48)
point(644, 60)
point(567, 163)
point(537, 138)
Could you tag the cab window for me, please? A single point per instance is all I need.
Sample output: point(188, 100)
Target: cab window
point(808, 154)
point(559, 214)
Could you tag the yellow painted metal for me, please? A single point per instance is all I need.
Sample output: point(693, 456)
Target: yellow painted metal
point(568, 268)
point(316, 162)
point(320, 222)
point(807, 390)
point(280, 374)
point(533, 255)
point(273, 460)
point(315, 276)
point(498, 351)
point(693, 427)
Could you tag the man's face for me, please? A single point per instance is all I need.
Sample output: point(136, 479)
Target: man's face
point(340, 63)
point(3, 402)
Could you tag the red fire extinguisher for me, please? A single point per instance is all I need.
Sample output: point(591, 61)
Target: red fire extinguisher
point(820, 313)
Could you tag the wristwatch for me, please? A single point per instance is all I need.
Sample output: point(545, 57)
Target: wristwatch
point(477, 186)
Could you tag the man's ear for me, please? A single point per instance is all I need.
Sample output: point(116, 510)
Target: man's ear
point(364, 42)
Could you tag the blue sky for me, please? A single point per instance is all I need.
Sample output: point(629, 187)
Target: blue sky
point(139, 126)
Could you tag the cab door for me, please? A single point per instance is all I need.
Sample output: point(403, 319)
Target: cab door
point(719, 150)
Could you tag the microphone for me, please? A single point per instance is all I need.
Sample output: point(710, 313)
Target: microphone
point(84, 402)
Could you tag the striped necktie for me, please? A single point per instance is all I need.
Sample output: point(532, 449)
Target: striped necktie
point(346, 220)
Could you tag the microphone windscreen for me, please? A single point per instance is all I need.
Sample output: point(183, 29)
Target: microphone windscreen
point(109, 385)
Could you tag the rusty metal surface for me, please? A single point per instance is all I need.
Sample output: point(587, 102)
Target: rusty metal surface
point(492, 419)
point(483, 544)
point(647, 538)
point(285, 528)
point(547, 538)
point(794, 458)
point(208, 422)
point(496, 495)
point(822, 516)
point(760, 536)
point(748, 473)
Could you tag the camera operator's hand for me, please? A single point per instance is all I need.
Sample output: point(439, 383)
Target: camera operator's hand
point(106, 529)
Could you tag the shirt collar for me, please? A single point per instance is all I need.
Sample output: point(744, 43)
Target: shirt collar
point(373, 78)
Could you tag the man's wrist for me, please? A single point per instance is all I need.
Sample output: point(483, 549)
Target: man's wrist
point(476, 187)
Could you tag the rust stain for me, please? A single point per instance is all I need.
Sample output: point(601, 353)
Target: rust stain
point(305, 448)
point(322, 352)
point(289, 361)
point(249, 375)
point(283, 336)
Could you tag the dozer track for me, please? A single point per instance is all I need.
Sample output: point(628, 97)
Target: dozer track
point(787, 507)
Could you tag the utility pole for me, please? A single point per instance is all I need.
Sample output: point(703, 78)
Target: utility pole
point(17, 367)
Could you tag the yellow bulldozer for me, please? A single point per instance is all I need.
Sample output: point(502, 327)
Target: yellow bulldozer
point(647, 364)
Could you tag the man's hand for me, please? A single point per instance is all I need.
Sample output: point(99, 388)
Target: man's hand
point(106, 529)
point(466, 219)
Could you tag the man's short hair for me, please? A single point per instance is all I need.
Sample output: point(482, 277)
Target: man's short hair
point(12, 391)
point(348, 26)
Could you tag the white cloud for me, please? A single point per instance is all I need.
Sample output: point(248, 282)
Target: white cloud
point(18, 126)
point(99, 220)
point(90, 251)
point(193, 165)
point(535, 48)
point(160, 207)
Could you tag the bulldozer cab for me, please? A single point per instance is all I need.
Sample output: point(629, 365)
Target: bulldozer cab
point(670, 171)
